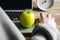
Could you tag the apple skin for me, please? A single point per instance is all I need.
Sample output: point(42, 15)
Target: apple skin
point(27, 18)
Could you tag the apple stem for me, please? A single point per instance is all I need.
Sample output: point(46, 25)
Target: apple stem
point(28, 12)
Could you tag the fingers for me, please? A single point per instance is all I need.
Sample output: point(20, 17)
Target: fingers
point(42, 16)
point(50, 17)
point(46, 17)
point(53, 18)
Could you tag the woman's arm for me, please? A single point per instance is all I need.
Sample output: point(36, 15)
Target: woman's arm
point(10, 28)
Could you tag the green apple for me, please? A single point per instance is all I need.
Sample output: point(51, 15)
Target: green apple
point(27, 18)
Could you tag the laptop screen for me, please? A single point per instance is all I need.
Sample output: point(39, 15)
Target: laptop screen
point(16, 4)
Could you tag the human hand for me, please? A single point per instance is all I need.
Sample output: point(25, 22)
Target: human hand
point(48, 19)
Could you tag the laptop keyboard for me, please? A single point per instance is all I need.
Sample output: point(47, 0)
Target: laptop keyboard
point(14, 15)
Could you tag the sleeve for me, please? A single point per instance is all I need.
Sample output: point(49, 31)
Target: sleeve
point(9, 27)
point(58, 36)
point(49, 32)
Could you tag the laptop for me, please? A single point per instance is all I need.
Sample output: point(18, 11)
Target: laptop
point(14, 8)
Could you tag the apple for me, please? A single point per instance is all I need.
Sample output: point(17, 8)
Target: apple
point(27, 18)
